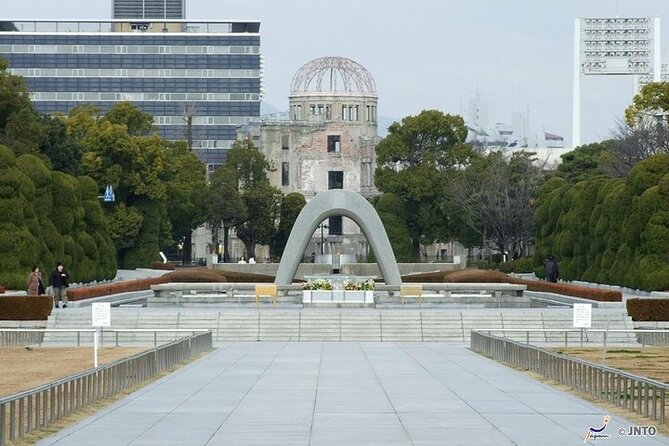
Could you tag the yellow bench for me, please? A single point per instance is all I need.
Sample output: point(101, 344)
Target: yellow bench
point(266, 289)
point(411, 290)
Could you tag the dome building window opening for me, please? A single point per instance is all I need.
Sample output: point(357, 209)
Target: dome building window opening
point(334, 143)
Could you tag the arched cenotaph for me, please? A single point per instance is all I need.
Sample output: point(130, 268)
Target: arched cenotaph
point(333, 203)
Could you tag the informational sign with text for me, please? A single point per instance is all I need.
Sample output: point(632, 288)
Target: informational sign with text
point(101, 314)
point(582, 315)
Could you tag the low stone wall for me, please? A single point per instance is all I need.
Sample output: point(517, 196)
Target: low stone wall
point(270, 269)
point(353, 269)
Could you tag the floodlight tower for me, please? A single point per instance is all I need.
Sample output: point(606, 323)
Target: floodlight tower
point(613, 46)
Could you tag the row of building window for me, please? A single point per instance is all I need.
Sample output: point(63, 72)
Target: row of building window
point(128, 49)
point(202, 120)
point(118, 39)
point(142, 97)
point(132, 61)
point(251, 109)
point(348, 112)
point(135, 85)
point(180, 132)
point(132, 72)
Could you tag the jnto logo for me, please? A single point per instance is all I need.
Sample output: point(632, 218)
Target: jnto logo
point(595, 433)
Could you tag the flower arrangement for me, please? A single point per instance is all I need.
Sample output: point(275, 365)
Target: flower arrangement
point(363, 285)
point(318, 284)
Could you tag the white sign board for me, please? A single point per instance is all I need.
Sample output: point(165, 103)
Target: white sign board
point(101, 314)
point(582, 315)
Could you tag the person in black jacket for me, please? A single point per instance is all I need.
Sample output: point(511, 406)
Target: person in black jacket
point(551, 269)
point(58, 280)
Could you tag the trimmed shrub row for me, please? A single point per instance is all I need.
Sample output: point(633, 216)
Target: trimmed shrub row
point(112, 288)
point(236, 277)
point(655, 310)
point(163, 266)
point(25, 308)
point(192, 275)
point(490, 276)
point(570, 290)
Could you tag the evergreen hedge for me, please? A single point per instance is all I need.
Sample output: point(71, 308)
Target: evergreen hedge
point(49, 216)
point(609, 230)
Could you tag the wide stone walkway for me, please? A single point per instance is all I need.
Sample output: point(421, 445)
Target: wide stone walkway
point(344, 394)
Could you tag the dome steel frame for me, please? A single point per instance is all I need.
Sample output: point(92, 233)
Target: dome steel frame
point(337, 75)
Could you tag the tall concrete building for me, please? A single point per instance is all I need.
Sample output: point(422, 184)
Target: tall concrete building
point(149, 9)
point(327, 142)
point(199, 79)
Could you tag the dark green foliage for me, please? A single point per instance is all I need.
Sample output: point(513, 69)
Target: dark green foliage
point(583, 162)
point(609, 230)
point(392, 213)
point(63, 152)
point(49, 216)
point(291, 205)
point(415, 162)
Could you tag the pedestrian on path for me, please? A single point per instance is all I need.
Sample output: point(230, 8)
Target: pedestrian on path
point(58, 281)
point(551, 269)
point(34, 283)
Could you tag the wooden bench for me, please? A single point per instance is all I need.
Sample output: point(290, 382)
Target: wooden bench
point(411, 290)
point(266, 289)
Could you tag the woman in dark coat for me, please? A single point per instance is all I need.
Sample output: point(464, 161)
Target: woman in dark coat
point(34, 282)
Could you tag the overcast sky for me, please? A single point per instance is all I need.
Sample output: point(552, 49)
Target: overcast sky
point(427, 54)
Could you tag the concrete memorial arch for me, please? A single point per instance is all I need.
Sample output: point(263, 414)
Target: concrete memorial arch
point(335, 203)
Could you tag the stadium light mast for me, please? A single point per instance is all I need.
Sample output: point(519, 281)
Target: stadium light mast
point(613, 46)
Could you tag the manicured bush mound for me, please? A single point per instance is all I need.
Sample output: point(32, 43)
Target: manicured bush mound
point(112, 288)
point(25, 308)
point(237, 277)
point(163, 266)
point(477, 276)
point(434, 277)
point(654, 310)
point(570, 290)
point(193, 275)
point(48, 216)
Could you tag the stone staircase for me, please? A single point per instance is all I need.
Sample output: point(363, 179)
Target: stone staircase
point(392, 325)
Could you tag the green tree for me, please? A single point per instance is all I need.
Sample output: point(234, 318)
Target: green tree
point(392, 212)
point(248, 168)
point(136, 122)
point(415, 162)
point(652, 101)
point(583, 162)
point(291, 206)
point(63, 152)
point(223, 208)
point(138, 167)
point(186, 181)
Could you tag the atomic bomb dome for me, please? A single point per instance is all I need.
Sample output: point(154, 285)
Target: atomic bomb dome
point(335, 89)
point(333, 75)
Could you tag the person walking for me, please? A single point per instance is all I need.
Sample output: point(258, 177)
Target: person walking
point(58, 281)
point(551, 269)
point(34, 283)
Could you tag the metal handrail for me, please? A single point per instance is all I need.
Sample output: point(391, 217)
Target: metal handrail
point(645, 396)
point(39, 407)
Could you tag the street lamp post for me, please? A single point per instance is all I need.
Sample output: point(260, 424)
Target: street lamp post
point(323, 226)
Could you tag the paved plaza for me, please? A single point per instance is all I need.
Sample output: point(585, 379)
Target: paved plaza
point(386, 394)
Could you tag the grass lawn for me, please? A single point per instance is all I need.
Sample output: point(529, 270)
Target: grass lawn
point(651, 362)
point(24, 368)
